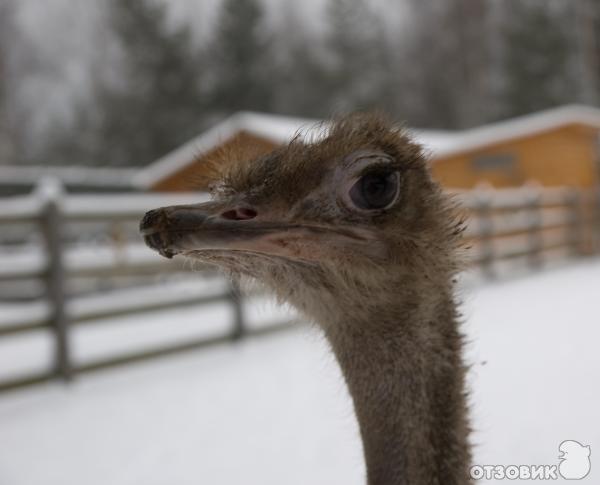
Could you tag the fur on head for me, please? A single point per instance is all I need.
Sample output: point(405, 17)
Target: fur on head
point(346, 218)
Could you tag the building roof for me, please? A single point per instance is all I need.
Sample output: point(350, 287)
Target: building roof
point(275, 128)
point(520, 127)
point(439, 143)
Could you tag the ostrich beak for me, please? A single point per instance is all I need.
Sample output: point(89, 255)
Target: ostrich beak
point(193, 229)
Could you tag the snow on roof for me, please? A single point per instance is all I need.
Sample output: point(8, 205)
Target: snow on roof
point(520, 127)
point(439, 143)
point(276, 128)
point(435, 141)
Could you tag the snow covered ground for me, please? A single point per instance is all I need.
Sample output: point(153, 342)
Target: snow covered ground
point(274, 410)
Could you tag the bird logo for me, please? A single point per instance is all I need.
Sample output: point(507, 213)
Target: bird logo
point(574, 460)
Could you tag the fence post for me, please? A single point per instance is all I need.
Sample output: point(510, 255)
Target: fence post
point(51, 221)
point(576, 222)
point(588, 221)
point(486, 232)
point(596, 217)
point(239, 325)
point(534, 226)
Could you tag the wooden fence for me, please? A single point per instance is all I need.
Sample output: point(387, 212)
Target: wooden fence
point(529, 226)
point(50, 213)
point(529, 223)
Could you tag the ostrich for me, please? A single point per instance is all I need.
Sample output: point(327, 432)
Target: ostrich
point(352, 231)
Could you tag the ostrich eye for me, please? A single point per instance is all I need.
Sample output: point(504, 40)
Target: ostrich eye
point(377, 190)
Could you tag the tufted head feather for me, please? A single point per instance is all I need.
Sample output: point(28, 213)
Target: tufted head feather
point(351, 213)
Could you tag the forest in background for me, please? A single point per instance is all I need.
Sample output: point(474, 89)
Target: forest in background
point(151, 83)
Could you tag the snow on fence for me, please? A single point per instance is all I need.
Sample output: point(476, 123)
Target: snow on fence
point(529, 225)
point(51, 213)
point(533, 223)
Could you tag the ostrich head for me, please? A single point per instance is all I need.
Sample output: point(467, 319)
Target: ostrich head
point(351, 230)
point(348, 220)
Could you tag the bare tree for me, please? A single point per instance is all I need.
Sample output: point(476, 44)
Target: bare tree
point(450, 60)
point(537, 60)
point(151, 105)
point(241, 63)
point(7, 140)
point(356, 45)
point(300, 84)
point(587, 37)
point(470, 20)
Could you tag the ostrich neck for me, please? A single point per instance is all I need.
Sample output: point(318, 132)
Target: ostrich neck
point(404, 371)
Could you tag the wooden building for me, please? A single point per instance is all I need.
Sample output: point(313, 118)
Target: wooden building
point(184, 167)
point(556, 147)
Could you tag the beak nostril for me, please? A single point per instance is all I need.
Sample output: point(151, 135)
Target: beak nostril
point(239, 214)
point(247, 213)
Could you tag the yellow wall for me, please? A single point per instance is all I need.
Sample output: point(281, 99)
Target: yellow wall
point(197, 175)
point(564, 156)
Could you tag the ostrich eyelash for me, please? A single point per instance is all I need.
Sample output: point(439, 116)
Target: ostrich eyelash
point(379, 168)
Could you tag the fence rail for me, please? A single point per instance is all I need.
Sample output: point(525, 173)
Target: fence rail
point(50, 212)
point(503, 225)
point(530, 222)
